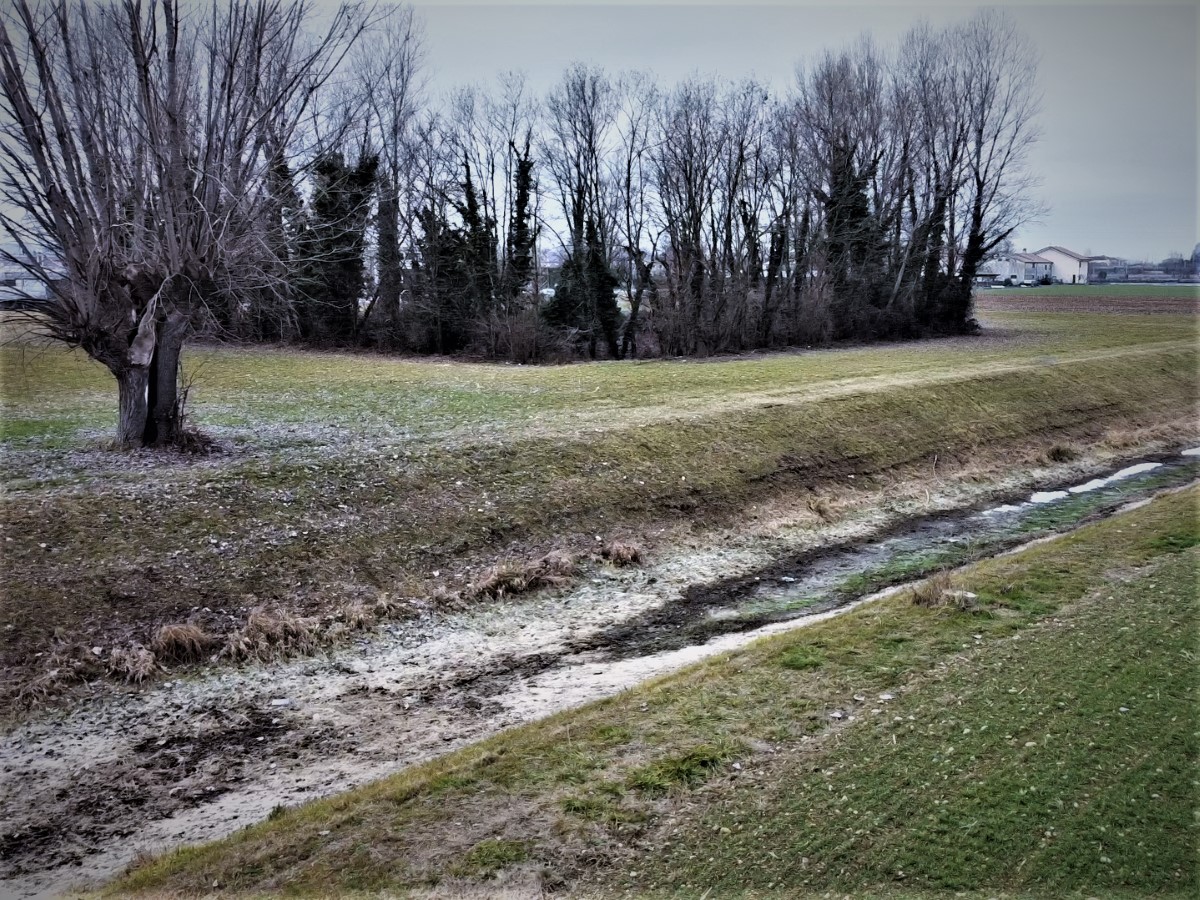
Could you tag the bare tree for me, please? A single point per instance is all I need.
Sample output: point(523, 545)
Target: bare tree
point(581, 119)
point(1000, 106)
point(388, 70)
point(685, 172)
point(138, 146)
point(637, 127)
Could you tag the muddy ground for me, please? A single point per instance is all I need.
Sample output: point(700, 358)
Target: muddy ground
point(86, 788)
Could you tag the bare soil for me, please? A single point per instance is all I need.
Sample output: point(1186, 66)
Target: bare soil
point(1149, 303)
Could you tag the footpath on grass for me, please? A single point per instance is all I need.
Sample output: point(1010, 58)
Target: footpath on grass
point(1029, 727)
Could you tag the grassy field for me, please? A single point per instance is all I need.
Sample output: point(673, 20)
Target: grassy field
point(356, 478)
point(1040, 742)
point(1101, 291)
point(283, 399)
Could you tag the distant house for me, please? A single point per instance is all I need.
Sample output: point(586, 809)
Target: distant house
point(1069, 267)
point(1107, 268)
point(17, 284)
point(1022, 268)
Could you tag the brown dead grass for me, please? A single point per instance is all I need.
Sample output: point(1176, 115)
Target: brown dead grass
point(822, 508)
point(67, 664)
point(623, 553)
point(511, 578)
point(182, 643)
point(939, 590)
point(134, 663)
point(933, 591)
point(1061, 453)
point(270, 634)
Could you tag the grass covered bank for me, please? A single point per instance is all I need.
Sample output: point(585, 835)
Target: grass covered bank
point(305, 533)
point(348, 480)
point(1041, 741)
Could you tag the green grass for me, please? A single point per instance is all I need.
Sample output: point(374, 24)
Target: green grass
point(291, 400)
point(1101, 290)
point(1059, 765)
point(1063, 634)
point(490, 856)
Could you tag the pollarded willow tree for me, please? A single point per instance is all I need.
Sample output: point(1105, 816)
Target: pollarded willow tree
point(139, 170)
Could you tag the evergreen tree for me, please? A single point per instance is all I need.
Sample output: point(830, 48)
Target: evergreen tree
point(333, 278)
point(521, 233)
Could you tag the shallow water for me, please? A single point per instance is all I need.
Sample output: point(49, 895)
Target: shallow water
point(817, 582)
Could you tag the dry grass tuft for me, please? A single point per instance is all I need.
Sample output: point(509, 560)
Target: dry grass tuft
point(932, 591)
point(511, 578)
point(46, 685)
point(938, 590)
point(822, 508)
point(75, 662)
point(622, 553)
point(357, 616)
point(270, 634)
point(64, 665)
point(182, 643)
point(385, 607)
point(1061, 453)
point(505, 578)
point(134, 663)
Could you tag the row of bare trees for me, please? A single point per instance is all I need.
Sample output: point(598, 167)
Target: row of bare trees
point(238, 170)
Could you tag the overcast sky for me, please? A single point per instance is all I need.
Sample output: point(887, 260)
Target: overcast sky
point(1118, 156)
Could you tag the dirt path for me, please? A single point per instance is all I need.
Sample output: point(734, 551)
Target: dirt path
point(84, 790)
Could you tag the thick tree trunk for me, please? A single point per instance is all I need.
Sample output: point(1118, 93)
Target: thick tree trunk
point(164, 417)
point(132, 393)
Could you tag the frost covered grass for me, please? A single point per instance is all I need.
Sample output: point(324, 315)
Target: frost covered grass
point(1041, 743)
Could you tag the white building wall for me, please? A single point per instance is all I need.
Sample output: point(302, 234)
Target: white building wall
point(1067, 269)
point(1007, 267)
point(14, 286)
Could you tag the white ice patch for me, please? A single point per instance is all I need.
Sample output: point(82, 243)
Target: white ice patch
point(1127, 472)
point(1047, 496)
point(1193, 451)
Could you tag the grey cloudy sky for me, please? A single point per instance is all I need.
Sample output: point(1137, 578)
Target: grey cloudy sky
point(1118, 156)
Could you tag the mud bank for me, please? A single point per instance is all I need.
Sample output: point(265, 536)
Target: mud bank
point(84, 790)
